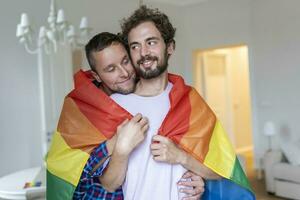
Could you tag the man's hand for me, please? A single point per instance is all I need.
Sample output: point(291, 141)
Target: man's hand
point(194, 186)
point(164, 150)
point(130, 134)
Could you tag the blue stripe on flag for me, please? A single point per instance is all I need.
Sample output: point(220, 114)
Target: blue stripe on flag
point(225, 189)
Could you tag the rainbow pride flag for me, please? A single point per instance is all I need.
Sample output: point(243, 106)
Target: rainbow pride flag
point(90, 117)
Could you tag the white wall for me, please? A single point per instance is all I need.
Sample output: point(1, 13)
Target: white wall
point(19, 120)
point(276, 66)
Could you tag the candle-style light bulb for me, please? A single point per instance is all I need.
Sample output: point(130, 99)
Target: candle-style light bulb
point(60, 16)
point(84, 24)
point(24, 20)
point(20, 31)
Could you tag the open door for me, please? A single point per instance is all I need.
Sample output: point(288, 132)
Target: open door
point(222, 78)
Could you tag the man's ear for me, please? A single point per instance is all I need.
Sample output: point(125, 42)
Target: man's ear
point(96, 76)
point(171, 48)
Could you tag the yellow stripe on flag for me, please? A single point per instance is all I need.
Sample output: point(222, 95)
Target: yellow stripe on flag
point(201, 122)
point(220, 156)
point(64, 162)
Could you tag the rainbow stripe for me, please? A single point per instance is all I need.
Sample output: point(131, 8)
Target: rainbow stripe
point(89, 117)
point(79, 131)
point(194, 127)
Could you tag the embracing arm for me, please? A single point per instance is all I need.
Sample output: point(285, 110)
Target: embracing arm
point(129, 135)
point(190, 163)
point(115, 172)
point(165, 150)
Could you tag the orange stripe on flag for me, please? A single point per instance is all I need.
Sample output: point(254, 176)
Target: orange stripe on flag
point(201, 125)
point(77, 131)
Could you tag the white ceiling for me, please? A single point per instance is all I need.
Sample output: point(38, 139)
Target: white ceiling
point(177, 2)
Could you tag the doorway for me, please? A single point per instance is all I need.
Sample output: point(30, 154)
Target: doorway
point(221, 76)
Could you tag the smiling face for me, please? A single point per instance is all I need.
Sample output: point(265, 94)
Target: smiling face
point(148, 50)
point(114, 69)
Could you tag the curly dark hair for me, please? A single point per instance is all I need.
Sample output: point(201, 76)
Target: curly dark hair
point(144, 14)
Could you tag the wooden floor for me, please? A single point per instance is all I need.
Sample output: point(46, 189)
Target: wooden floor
point(259, 189)
point(257, 185)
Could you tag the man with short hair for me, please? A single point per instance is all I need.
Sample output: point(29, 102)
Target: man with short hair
point(113, 73)
point(110, 63)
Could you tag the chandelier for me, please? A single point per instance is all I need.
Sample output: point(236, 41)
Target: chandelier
point(58, 31)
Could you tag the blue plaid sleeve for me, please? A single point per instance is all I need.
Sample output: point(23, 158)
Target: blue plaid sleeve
point(89, 186)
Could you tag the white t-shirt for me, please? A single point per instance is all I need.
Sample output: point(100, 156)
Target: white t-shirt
point(147, 179)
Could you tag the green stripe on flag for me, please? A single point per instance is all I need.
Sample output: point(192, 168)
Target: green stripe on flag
point(58, 189)
point(239, 176)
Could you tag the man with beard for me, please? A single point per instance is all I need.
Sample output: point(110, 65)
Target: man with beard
point(114, 73)
point(155, 166)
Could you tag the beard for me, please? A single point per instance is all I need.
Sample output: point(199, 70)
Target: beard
point(152, 73)
point(126, 90)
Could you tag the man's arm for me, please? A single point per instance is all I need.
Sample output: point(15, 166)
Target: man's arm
point(110, 144)
point(129, 135)
point(164, 150)
point(89, 185)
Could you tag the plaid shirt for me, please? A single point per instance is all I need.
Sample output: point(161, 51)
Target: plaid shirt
point(89, 186)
